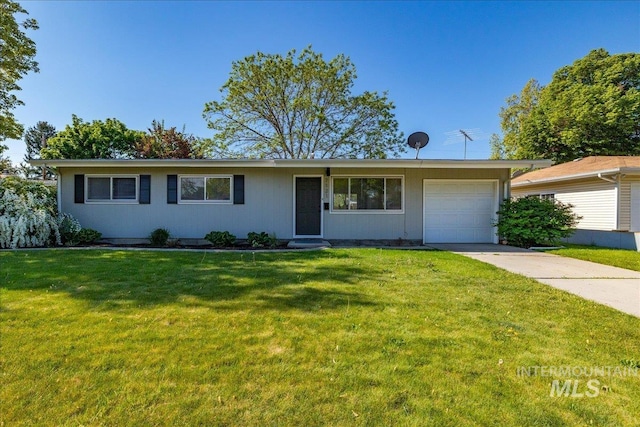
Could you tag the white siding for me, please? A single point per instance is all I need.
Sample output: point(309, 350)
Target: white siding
point(595, 200)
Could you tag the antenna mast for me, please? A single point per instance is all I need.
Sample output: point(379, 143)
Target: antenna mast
point(466, 137)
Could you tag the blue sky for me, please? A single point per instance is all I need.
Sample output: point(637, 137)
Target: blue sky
point(445, 65)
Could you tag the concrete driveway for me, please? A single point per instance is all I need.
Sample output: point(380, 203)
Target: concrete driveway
point(616, 287)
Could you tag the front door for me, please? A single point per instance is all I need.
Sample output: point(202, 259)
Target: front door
point(308, 206)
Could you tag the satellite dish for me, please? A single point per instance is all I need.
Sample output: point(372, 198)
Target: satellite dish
point(418, 140)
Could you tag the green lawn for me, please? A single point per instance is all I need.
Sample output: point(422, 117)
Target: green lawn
point(615, 257)
point(335, 337)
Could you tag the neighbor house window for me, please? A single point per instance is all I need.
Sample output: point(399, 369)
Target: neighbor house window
point(383, 194)
point(205, 189)
point(549, 196)
point(101, 188)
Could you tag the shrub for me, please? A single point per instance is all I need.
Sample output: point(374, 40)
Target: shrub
point(221, 239)
point(28, 216)
point(261, 240)
point(86, 236)
point(69, 227)
point(159, 237)
point(530, 221)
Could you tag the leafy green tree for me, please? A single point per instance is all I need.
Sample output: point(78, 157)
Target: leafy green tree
point(5, 162)
point(17, 53)
point(513, 119)
point(162, 143)
point(300, 106)
point(96, 140)
point(591, 107)
point(36, 138)
point(530, 221)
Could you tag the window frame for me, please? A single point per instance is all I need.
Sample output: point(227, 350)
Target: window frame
point(383, 211)
point(205, 201)
point(111, 200)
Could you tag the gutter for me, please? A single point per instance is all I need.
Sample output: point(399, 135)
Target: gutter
point(295, 163)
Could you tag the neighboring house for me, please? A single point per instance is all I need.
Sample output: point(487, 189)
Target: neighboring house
point(604, 190)
point(421, 201)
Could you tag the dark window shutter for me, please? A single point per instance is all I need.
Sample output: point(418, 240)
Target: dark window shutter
point(145, 190)
point(172, 189)
point(79, 189)
point(238, 189)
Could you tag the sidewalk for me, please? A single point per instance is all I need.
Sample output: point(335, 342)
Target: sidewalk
point(616, 287)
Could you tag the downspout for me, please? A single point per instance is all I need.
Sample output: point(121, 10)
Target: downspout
point(616, 182)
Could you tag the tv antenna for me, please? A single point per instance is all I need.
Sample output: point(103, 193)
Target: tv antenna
point(463, 135)
point(418, 140)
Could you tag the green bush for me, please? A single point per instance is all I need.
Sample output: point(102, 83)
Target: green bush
point(159, 237)
point(261, 240)
point(88, 235)
point(531, 221)
point(221, 239)
point(69, 228)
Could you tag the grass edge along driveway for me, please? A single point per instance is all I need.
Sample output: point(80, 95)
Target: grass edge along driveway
point(622, 258)
point(334, 337)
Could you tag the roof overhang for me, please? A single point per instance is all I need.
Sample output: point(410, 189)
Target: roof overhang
point(585, 175)
point(294, 163)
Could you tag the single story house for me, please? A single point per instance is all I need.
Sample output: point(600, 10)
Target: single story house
point(604, 190)
point(421, 201)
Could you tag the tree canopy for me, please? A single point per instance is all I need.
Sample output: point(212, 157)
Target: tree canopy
point(5, 162)
point(591, 107)
point(36, 138)
point(17, 53)
point(300, 106)
point(109, 139)
point(162, 143)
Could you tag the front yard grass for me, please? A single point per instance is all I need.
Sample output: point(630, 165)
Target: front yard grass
point(616, 257)
point(334, 337)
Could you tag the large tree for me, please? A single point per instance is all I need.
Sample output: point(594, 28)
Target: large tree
point(300, 106)
point(513, 119)
point(5, 163)
point(167, 143)
point(17, 53)
point(591, 107)
point(109, 139)
point(35, 139)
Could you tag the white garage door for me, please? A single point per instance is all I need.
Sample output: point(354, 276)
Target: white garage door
point(460, 211)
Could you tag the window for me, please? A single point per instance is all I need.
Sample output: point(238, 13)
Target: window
point(205, 189)
point(102, 188)
point(367, 193)
point(549, 196)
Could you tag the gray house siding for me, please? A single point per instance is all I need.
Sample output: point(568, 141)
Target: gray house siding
point(268, 203)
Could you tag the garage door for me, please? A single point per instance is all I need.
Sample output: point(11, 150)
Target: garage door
point(460, 211)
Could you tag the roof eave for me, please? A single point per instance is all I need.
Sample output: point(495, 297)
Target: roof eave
point(592, 174)
point(297, 163)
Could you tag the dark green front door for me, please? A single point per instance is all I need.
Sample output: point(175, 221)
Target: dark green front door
point(308, 206)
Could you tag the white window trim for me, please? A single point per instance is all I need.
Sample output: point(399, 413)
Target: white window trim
point(205, 202)
point(369, 211)
point(111, 200)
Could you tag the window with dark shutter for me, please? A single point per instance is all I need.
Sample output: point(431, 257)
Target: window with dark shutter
point(79, 188)
point(172, 189)
point(238, 189)
point(145, 189)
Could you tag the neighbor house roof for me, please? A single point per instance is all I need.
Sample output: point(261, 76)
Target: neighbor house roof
point(581, 168)
point(297, 163)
